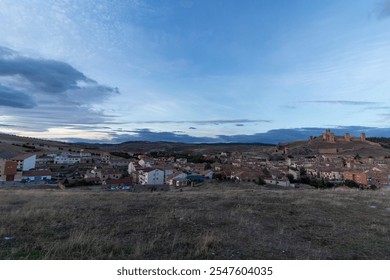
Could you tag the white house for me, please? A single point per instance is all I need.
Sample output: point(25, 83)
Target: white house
point(151, 176)
point(25, 162)
point(281, 183)
point(167, 169)
point(37, 175)
point(177, 179)
point(133, 167)
point(119, 162)
point(66, 160)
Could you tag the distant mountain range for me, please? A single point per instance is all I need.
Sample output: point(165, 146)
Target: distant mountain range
point(11, 145)
point(274, 136)
point(270, 137)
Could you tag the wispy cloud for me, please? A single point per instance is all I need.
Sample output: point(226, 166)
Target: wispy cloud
point(378, 108)
point(289, 107)
point(203, 122)
point(342, 102)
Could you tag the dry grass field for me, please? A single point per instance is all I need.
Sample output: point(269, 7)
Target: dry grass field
point(214, 221)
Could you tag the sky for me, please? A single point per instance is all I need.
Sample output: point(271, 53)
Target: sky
point(194, 71)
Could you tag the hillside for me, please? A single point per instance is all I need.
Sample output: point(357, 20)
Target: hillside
point(317, 146)
point(383, 141)
point(188, 148)
point(11, 145)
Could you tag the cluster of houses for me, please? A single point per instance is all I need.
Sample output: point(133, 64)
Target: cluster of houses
point(102, 168)
point(22, 168)
point(338, 169)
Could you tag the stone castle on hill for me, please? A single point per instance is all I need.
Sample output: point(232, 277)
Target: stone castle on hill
point(329, 137)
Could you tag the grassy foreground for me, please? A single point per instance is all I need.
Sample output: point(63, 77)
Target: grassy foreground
point(215, 221)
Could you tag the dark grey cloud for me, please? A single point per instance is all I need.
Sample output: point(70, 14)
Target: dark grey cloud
point(14, 98)
point(6, 52)
point(42, 93)
point(342, 102)
point(50, 77)
point(191, 127)
point(46, 75)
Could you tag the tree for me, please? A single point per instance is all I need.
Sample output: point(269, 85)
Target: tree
point(290, 177)
point(373, 187)
point(357, 157)
point(261, 181)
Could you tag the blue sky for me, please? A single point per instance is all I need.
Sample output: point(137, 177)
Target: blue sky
point(193, 70)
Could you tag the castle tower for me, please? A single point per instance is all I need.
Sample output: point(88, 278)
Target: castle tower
point(328, 136)
point(363, 137)
point(347, 137)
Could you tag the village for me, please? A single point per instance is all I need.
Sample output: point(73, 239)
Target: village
point(283, 165)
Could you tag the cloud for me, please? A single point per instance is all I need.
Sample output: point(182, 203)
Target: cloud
point(51, 93)
point(6, 52)
point(378, 108)
point(50, 77)
point(382, 10)
point(343, 102)
point(204, 122)
point(289, 107)
point(6, 125)
point(14, 98)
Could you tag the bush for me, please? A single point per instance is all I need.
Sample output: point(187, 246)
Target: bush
point(261, 181)
point(351, 184)
point(290, 177)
